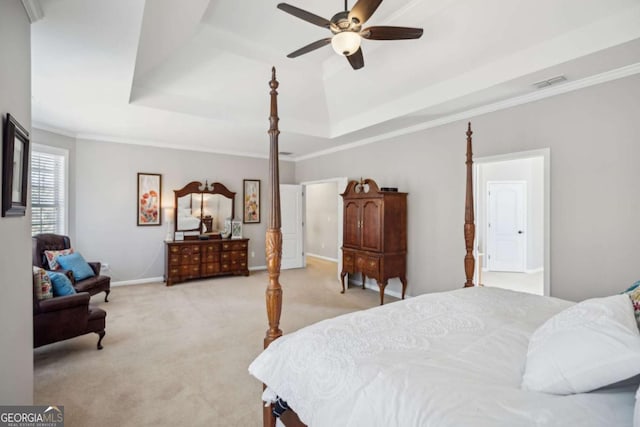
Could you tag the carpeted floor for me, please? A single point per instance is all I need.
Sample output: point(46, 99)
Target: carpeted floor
point(179, 355)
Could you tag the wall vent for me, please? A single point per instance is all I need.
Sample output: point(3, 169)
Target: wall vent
point(548, 82)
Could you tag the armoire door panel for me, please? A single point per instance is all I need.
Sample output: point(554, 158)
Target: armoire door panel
point(351, 232)
point(371, 225)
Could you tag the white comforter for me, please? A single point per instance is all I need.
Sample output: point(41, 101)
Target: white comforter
point(445, 359)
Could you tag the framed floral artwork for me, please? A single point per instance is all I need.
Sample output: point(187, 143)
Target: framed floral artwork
point(251, 199)
point(149, 199)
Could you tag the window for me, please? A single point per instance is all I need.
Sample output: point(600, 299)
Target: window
point(48, 190)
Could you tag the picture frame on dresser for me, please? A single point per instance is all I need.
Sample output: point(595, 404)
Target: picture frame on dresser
point(236, 229)
point(251, 201)
point(149, 202)
point(15, 168)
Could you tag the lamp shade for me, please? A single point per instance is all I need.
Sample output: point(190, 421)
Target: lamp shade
point(346, 43)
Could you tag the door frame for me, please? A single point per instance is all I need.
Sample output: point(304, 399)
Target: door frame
point(299, 226)
point(341, 183)
point(525, 207)
point(545, 153)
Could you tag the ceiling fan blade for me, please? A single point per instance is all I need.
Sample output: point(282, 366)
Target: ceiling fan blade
point(308, 48)
point(356, 59)
point(363, 10)
point(391, 33)
point(303, 14)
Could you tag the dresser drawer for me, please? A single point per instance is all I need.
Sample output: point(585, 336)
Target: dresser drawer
point(368, 265)
point(188, 250)
point(234, 265)
point(190, 271)
point(190, 259)
point(371, 266)
point(211, 257)
point(174, 259)
point(210, 269)
point(233, 255)
point(348, 261)
point(234, 246)
point(212, 248)
point(174, 272)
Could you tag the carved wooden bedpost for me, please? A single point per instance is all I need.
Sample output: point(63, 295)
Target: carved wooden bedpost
point(469, 226)
point(273, 241)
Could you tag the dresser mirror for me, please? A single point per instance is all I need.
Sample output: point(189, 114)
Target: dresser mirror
point(203, 208)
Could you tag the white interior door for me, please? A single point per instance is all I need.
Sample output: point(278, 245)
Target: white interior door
point(506, 222)
point(291, 216)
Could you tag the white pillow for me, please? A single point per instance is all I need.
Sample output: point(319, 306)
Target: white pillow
point(587, 346)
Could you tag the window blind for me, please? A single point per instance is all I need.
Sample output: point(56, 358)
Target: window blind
point(47, 193)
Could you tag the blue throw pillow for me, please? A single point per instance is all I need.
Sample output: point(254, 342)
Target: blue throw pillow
point(61, 284)
point(74, 262)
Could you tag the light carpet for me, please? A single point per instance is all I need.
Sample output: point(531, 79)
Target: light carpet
point(179, 355)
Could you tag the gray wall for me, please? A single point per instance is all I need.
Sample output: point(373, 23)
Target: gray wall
point(594, 138)
point(105, 182)
point(531, 171)
point(16, 308)
point(321, 226)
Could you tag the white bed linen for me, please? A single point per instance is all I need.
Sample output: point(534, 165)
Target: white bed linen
point(444, 359)
point(188, 222)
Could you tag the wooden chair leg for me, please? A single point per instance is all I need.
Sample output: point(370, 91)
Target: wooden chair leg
point(106, 295)
point(101, 334)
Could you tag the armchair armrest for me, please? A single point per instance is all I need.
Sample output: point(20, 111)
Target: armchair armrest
point(95, 266)
point(65, 302)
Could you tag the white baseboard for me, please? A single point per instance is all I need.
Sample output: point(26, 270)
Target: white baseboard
point(138, 281)
point(258, 267)
point(534, 270)
point(372, 285)
point(326, 258)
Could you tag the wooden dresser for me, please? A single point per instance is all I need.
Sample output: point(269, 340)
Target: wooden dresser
point(374, 234)
point(195, 259)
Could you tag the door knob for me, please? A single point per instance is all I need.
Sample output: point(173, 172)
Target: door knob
point(520, 231)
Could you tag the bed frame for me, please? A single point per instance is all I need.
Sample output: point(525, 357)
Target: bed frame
point(273, 242)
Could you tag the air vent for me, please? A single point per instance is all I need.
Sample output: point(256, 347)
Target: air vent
point(285, 153)
point(549, 82)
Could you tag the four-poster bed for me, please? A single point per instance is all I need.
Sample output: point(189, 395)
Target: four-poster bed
point(443, 359)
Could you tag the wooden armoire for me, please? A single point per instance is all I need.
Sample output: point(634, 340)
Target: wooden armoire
point(374, 234)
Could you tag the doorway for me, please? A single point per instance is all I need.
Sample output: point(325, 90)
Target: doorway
point(291, 214)
point(512, 217)
point(323, 220)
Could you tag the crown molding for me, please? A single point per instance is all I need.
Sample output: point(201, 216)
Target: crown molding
point(47, 128)
point(539, 94)
point(548, 92)
point(146, 143)
point(33, 9)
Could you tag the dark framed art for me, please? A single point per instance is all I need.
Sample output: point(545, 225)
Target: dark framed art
point(149, 198)
point(251, 200)
point(15, 168)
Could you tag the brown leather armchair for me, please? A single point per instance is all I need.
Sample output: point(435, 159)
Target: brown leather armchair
point(55, 242)
point(60, 318)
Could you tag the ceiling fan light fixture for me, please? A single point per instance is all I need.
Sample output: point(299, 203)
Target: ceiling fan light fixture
point(346, 43)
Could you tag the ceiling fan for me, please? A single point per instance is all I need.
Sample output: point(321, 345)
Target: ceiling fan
point(346, 27)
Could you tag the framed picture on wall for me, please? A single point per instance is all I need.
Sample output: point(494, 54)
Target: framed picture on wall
point(251, 200)
point(149, 199)
point(15, 168)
